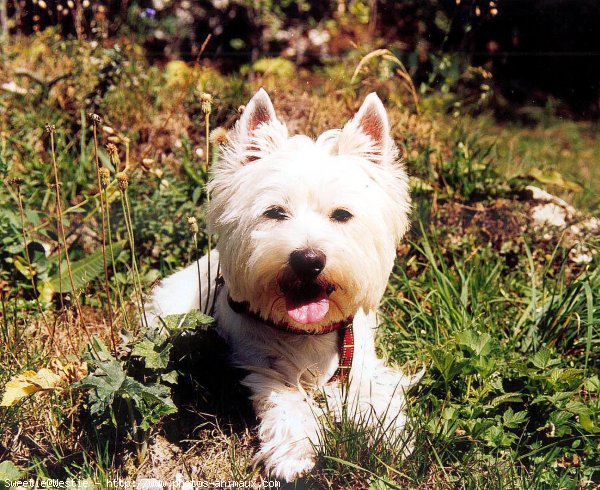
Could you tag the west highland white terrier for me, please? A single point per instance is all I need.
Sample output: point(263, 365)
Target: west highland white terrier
point(307, 237)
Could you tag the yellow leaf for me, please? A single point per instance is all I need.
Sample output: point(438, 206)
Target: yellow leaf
point(46, 379)
point(15, 390)
point(26, 383)
point(554, 178)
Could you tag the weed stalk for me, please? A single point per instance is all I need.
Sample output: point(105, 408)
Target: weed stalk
point(193, 226)
point(95, 119)
point(138, 433)
point(113, 154)
point(123, 182)
point(206, 107)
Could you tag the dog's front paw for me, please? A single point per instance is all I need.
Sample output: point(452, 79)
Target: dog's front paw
point(287, 461)
point(292, 469)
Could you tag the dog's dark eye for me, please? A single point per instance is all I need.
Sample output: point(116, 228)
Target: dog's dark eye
point(276, 212)
point(341, 215)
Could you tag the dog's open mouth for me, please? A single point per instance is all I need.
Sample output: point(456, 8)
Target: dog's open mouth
point(307, 303)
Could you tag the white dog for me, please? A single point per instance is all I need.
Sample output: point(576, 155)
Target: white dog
point(307, 237)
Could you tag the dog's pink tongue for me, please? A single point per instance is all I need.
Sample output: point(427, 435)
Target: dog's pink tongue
point(311, 311)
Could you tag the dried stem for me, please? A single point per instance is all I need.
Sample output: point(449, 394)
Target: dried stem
point(137, 284)
point(112, 258)
point(134, 261)
point(207, 128)
point(103, 213)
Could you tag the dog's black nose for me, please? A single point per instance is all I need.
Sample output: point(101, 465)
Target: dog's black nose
point(307, 263)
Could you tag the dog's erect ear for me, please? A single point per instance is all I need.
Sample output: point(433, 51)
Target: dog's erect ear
point(372, 120)
point(258, 111)
point(258, 128)
point(368, 132)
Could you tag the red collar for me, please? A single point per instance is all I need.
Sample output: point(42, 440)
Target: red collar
point(344, 328)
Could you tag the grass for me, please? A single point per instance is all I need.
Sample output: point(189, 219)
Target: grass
point(505, 322)
point(568, 147)
point(502, 376)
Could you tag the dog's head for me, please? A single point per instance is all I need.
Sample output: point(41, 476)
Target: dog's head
point(308, 230)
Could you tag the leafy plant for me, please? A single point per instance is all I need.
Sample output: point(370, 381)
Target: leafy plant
point(108, 382)
point(145, 390)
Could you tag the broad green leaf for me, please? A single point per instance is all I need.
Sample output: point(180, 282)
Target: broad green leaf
point(152, 414)
point(542, 358)
point(476, 343)
point(578, 408)
point(512, 419)
point(192, 320)
point(33, 217)
point(83, 270)
point(449, 413)
point(153, 358)
point(45, 292)
point(109, 380)
point(105, 382)
point(23, 267)
point(480, 426)
point(592, 384)
point(556, 399)
point(484, 365)
point(497, 437)
point(152, 401)
point(9, 472)
point(559, 417)
point(170, 377)
point(446, 363)
point(133, 389)
point(158, 394)
point(97, 351)
point(570, 377)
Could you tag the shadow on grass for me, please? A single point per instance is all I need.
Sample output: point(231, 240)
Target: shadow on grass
point(208, 388)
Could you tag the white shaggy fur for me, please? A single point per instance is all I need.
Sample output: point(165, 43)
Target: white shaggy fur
point(354, 169)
